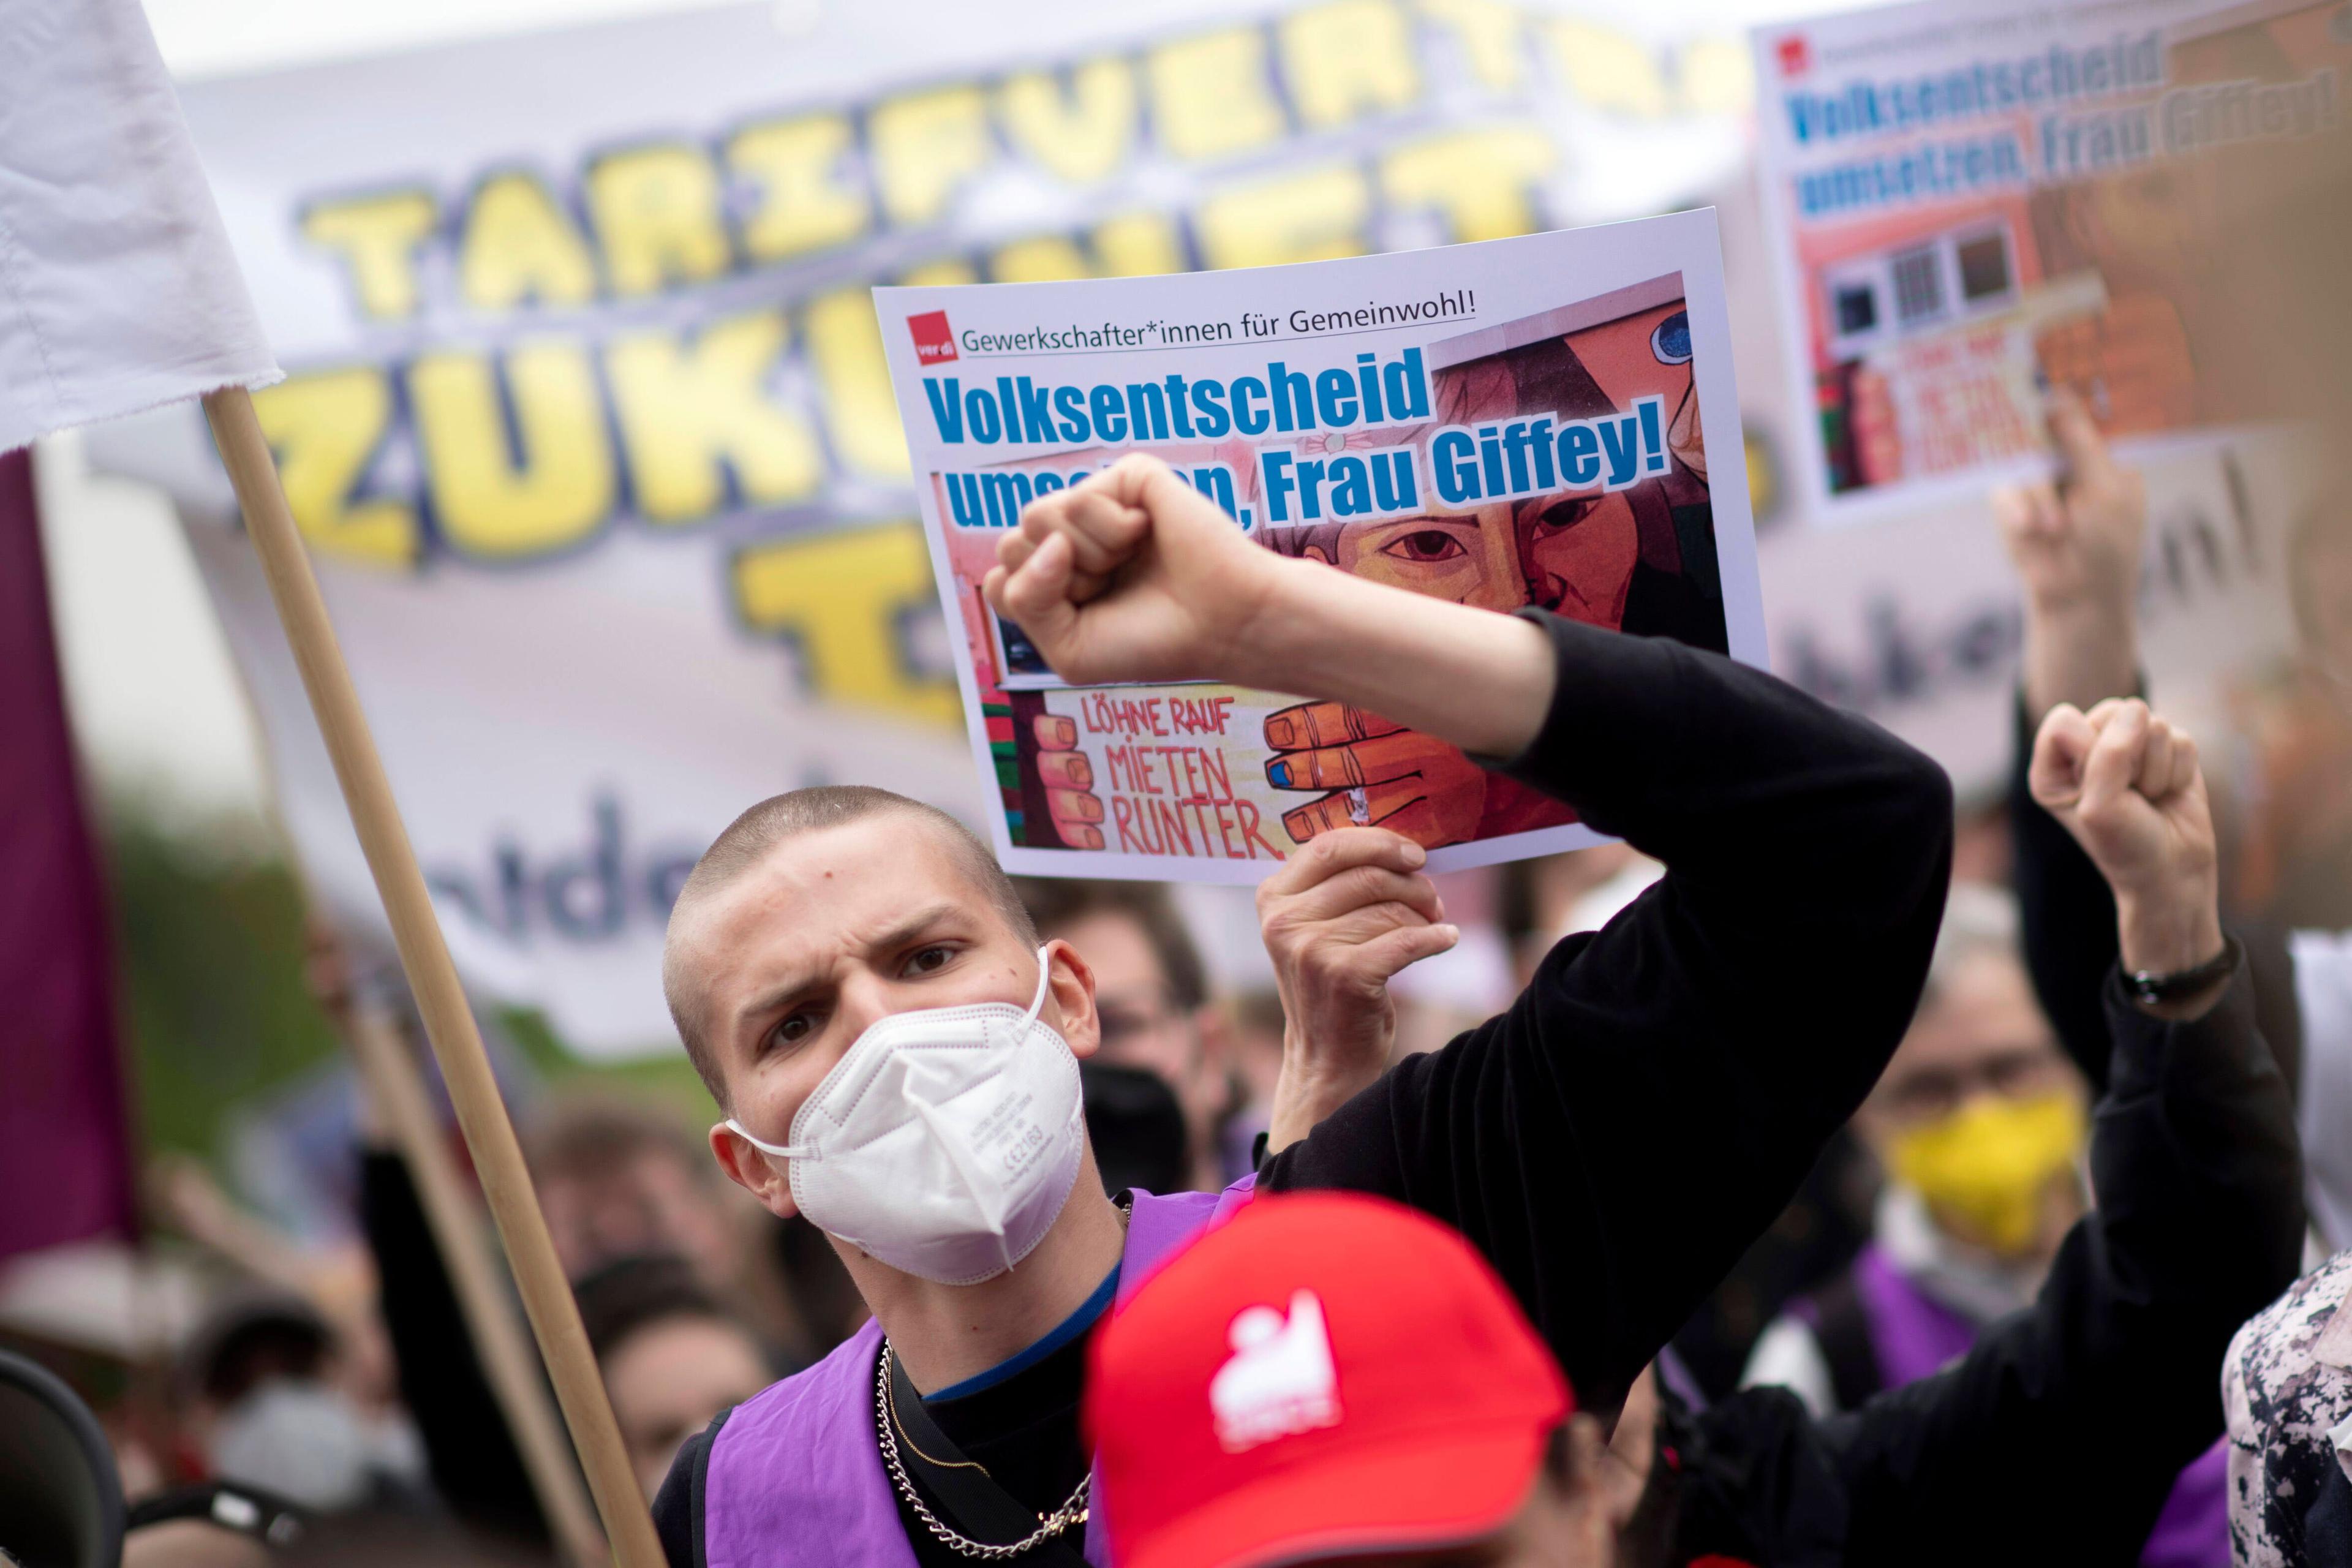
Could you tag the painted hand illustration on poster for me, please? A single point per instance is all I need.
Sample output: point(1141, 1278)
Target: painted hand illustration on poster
point(1375, 773)
point(1068, 779)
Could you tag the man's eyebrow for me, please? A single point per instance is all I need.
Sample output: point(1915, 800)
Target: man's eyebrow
point(898, 934)
point(915, 925)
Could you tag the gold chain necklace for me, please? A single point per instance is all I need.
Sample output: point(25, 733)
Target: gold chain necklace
point(1048, 1525)
point(886, 1425)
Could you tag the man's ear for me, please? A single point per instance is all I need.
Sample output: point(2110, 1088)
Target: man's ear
point(752, 1170)
point(1071, 999)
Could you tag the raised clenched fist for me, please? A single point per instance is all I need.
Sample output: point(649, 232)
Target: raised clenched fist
point(1132, 576)
point(2125, 783)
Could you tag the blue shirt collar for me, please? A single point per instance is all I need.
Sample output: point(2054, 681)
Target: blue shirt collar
point(1068, 1328)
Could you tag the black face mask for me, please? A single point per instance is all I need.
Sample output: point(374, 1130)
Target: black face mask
point(1137, 1127)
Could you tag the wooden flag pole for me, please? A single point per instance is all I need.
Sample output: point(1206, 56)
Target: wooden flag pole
point(433, 979)
point(389, 1069)
point(395, 1083)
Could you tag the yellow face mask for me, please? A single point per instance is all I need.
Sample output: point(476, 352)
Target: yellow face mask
point(1984, 1168)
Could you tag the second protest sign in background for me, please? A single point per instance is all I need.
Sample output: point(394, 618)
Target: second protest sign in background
point(1971, 206)
point(1516, 422)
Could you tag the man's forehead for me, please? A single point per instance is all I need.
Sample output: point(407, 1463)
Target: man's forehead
point(1986, 1008)
point(828, 885)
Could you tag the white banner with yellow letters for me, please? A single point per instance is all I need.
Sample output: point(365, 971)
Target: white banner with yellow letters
point(586, 416)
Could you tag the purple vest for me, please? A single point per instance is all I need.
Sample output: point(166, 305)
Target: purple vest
point(1913, 1335)
point(796, 1479)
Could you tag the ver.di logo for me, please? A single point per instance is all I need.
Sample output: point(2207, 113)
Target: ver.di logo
point(934, 342)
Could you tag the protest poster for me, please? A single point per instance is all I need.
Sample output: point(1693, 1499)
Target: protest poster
point(1971, 205)
point(1519, 422)
point(586, 419)
point(1915, 621)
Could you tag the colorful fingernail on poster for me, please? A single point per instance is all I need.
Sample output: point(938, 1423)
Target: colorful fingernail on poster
point(1973, 207)
point(1513, 423)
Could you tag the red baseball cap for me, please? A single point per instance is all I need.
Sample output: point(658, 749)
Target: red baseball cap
point(1323, 1374)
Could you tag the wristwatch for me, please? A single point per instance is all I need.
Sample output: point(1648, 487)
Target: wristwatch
point(2152, 989)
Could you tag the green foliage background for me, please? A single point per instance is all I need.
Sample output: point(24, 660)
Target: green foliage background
point(215, 1009)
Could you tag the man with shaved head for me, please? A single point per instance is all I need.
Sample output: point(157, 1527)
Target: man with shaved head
point(753, 837)
point(895, 1054)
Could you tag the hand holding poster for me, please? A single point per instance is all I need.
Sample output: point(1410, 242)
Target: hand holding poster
point(1971, 207)
point(1511, 423)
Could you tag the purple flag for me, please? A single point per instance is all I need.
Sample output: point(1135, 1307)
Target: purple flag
point(65, 1146)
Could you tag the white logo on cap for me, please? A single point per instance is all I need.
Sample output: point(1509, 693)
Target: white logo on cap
point(1280, 1381)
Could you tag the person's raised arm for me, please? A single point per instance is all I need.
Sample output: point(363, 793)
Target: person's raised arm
point(2075, 543)
point(2107, 1387)
point(2127, 785)
point(1672, 1076)
point(1196, 600)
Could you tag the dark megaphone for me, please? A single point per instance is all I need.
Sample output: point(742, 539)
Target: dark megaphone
point(60, 1499)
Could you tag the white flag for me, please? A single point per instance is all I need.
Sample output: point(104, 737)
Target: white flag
point(118, 290)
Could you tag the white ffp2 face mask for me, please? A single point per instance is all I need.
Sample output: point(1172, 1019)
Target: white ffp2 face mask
point(945, 1141)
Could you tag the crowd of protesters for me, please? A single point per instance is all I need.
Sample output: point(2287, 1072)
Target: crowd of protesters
point(1804, 1206)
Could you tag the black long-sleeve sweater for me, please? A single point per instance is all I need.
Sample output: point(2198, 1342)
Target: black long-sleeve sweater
point(473, 1460)
point(1615, 1139)
point(2057, 1438)
point(2066, 919)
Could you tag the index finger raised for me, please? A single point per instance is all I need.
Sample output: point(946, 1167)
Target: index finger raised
point(2084, 450)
